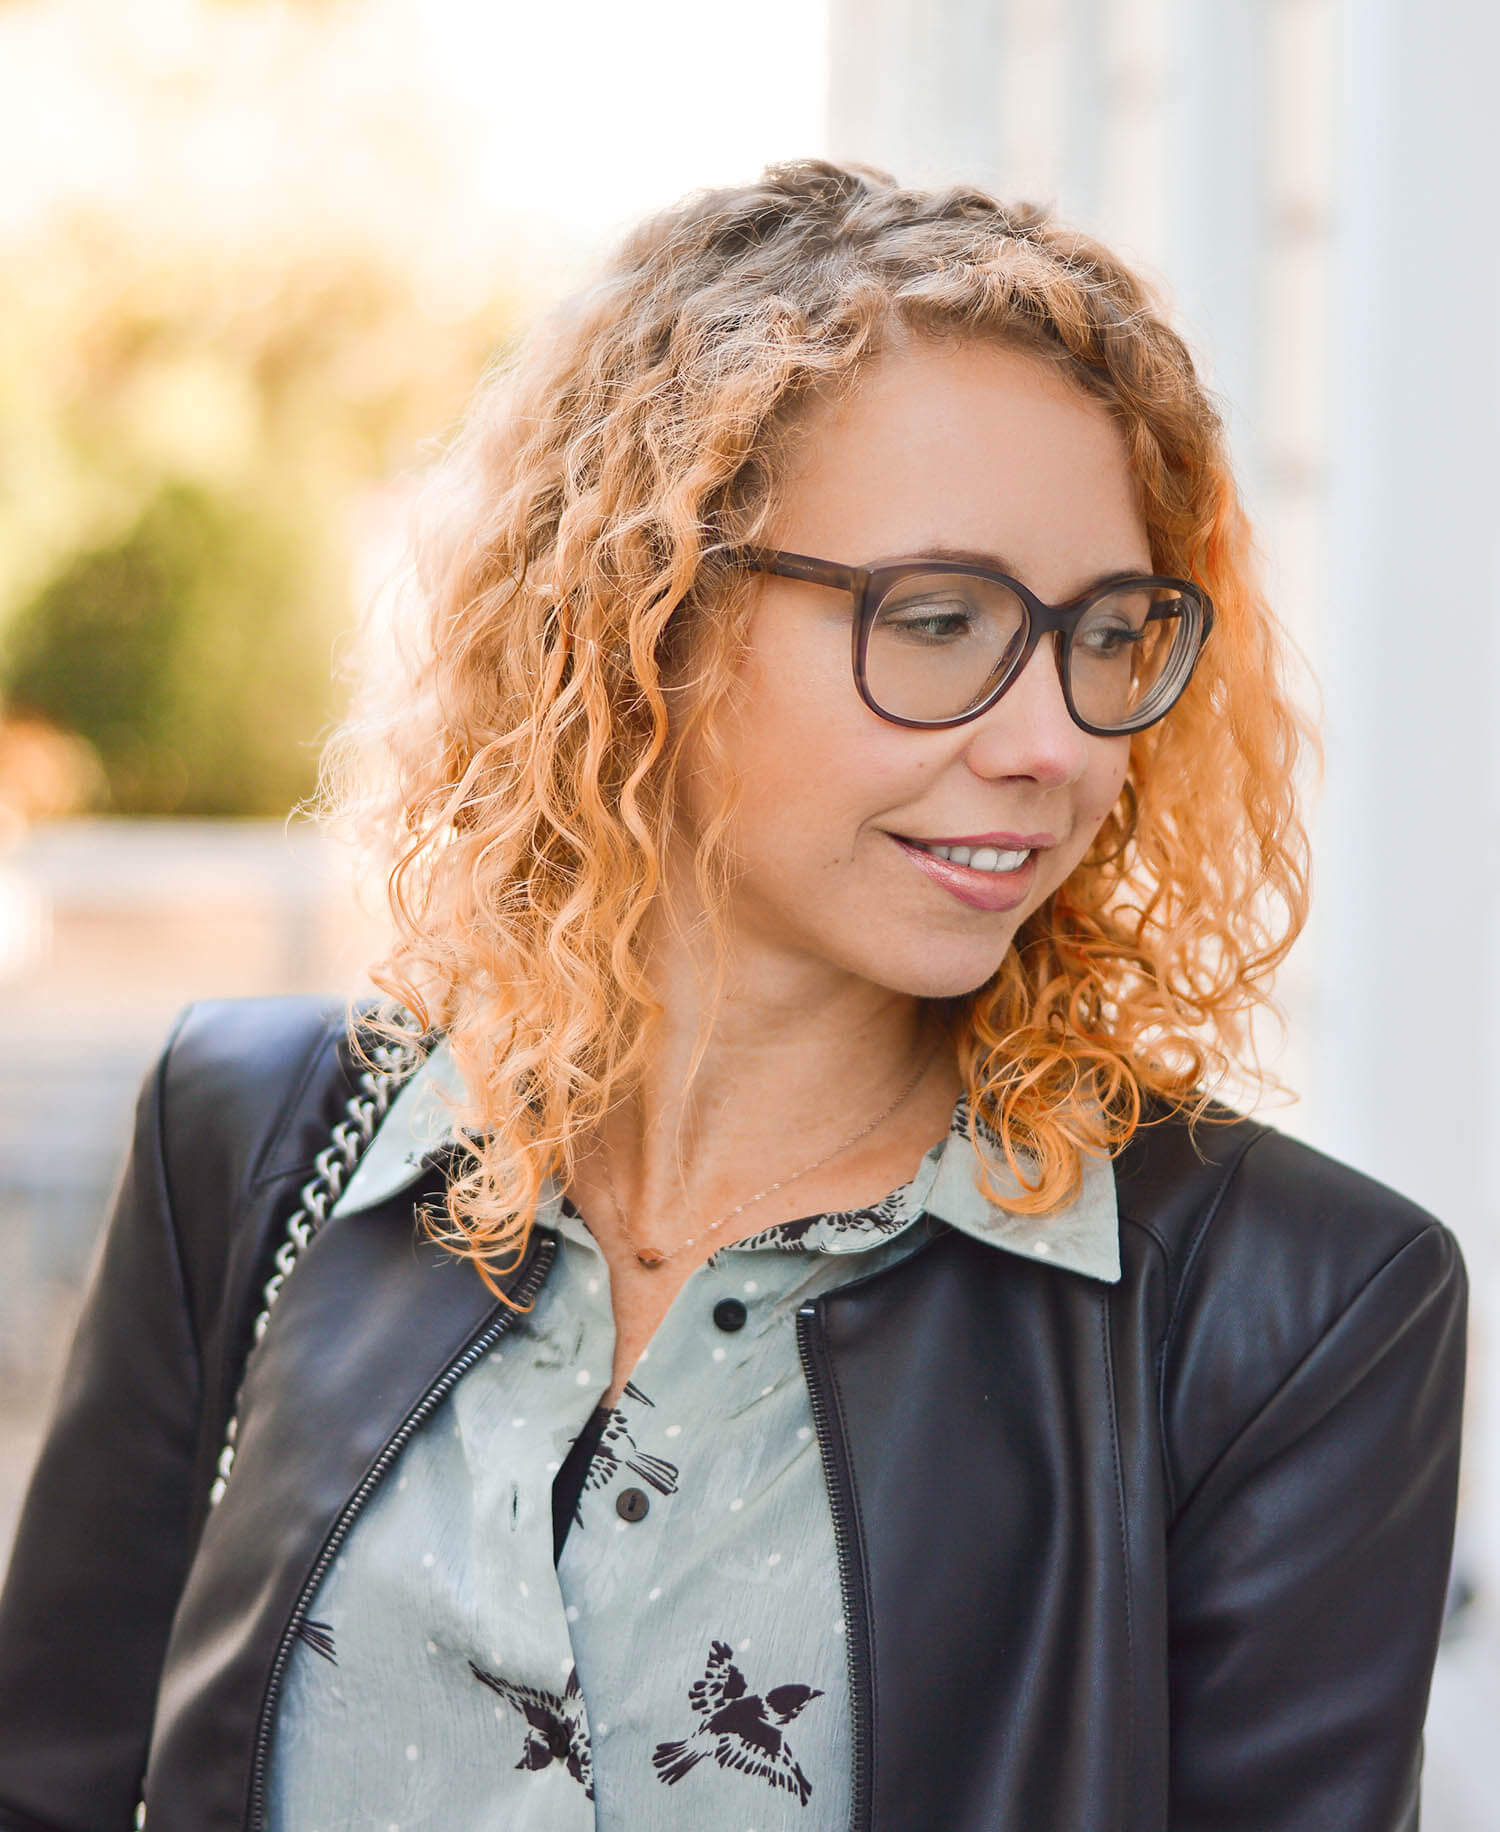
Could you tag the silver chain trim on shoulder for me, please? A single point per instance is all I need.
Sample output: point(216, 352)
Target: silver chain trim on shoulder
point(393, 1064)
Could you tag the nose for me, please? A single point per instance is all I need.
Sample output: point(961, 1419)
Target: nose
point(1029, 732)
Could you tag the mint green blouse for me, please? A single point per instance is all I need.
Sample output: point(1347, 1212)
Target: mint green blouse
point(682, 1665)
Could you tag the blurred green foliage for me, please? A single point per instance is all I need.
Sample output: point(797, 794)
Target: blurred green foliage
point(179, 650)
point(195, 445)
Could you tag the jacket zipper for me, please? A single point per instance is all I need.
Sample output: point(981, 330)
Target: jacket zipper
point(840, 1483)
point(525, 1290)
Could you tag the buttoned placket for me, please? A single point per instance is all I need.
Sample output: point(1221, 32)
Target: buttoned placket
point(724, 1352)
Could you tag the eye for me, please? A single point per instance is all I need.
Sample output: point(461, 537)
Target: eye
point(944, 610)
point(1108, 641)
point(930, 620)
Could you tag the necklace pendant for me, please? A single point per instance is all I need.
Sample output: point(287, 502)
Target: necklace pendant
point(648, 1256)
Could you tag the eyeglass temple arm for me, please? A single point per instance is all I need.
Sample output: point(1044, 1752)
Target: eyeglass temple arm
point(801, 566)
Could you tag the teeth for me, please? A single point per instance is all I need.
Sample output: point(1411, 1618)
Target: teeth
point(981, 858)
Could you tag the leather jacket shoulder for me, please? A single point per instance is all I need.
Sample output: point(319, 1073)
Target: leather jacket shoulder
point(1165, 1556)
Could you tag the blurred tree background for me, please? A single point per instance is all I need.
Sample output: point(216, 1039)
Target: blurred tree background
point(253, 256)
point(189, 439)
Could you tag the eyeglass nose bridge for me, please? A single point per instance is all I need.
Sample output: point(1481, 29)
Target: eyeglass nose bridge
point(1060, 622)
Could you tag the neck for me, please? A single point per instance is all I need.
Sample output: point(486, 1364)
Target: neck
point(748, 1085)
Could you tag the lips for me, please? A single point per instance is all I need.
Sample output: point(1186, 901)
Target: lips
point(1001, 879)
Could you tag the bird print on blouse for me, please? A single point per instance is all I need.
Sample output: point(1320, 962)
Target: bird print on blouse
point(319, 1637)
point(739, 1729)
point(555, 1730)
point(888, 1216)
point(618, 1450)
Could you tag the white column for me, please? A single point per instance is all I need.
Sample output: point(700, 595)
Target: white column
point(1407, 1083)
point(1410, 661)
point(1219, 107)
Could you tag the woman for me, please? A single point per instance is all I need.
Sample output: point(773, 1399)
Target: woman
point(841, 802)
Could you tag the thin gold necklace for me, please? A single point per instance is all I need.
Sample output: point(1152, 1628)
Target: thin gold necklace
point(652, 1257)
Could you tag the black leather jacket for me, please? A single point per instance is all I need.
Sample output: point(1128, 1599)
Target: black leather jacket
point(1165, 1554)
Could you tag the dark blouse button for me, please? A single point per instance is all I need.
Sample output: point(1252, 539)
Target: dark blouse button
point(631, 1504)
point(729, 1313)
point(558, 1740)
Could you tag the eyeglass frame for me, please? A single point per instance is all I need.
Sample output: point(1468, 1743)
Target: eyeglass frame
point(870, 585)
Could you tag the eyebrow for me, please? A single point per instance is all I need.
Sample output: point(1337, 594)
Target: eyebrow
point(994, 562)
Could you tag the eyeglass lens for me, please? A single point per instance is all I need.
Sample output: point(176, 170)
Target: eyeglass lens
point(939, 643)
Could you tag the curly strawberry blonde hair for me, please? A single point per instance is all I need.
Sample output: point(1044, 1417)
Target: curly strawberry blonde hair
point(582, 542)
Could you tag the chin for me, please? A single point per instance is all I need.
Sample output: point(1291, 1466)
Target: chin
point(938, 973)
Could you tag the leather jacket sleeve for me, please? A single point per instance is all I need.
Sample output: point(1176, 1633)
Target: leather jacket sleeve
point(103, 1538)
point(116, 1500)
point(1297, 1695)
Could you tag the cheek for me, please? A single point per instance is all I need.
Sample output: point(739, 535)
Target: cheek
point(1095, 794)
point(1103, 780)
point(809, 760)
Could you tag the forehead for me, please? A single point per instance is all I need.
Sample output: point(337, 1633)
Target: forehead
point(970, 446)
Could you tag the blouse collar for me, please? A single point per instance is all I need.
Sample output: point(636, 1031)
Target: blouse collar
point(1083, 1236)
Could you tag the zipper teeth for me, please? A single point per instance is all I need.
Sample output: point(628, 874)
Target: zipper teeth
point(855, 1641)
point(524, 1291)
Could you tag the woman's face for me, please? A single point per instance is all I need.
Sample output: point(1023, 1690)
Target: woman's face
point(979, 450)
